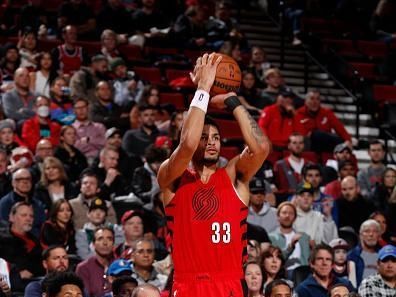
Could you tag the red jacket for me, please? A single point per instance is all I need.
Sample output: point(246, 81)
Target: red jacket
point(278, 128)
point(31, 132)
point(284, 173)
point(324, 120)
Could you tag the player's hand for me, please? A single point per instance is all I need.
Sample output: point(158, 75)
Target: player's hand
point(218, 100)
point(205, 71)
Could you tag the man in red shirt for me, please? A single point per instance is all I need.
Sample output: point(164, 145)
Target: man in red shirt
point(206, 206)
point(318, 123)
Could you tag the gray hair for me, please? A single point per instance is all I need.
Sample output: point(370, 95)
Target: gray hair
point(369, 223)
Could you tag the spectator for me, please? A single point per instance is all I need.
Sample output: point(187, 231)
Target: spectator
point(27, 45)
point(90, 135)
point(352, 199)
point(369, 177)
point(288, 170)
point(249, 94)
point(320, 227)
point(68, 57)
point(146, 18)
point(73, 160)
point(18, 102)
point(133, 227)
point(274, 81)
point(54, 258)
point(175, 126)
point(273, 265)
point(365, 253)
point(53, 184)
point(20, 157)
point(40, 126)
point(294, 9)
point(114, 16)
point(96, 214)
point(190, 28)
point(44, 149)
point(92, 269)
point(340, 290)
point(278, 287)
point(105, 111)
point(21, 247)
point(317, 123)
point(8, 138)
point(342, 152)
point(380, 218)
point(112, 183)
point(144, 180)
point(345, 169)
point(61, 105)
point(277, 120)
point(232, 49)
point(22, 186)
point(110, 40)
point(342, 267)
point(260, 211)
point(59, 229)
point(295, 246)
point(146, 290)
point(383, 190)
point(42, 78)
point(143, 270)
point(312, 173)
point(8, 65)
point(253, 251)
point(120, 268)
point(317, 284)
point(62, 284)
point(123, 286)
point(259, 64)
point(84, 81)
point(382, 21)
point(382, 284)
point(78, 14)
point(88, 192)
point(127, 87)
point(137, 140)
point(5, 175)
point(254, 278)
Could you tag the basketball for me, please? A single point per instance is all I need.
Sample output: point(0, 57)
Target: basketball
point(228, 77)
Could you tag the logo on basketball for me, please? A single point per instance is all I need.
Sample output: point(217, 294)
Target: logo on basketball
point(205, 204)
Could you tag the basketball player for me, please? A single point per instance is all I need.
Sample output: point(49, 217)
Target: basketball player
point(206, 206)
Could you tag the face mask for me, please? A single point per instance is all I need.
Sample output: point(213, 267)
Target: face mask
point(43, 111)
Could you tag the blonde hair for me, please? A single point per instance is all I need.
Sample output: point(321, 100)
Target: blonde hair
point(54, 162)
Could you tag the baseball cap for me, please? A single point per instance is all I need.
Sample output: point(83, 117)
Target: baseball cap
point(257, 185)
point(118, 266)
point(114, 63)
point(7, 123)
point(98, 203)
point(271, 71)
point(339, 243)
point(304, 187)
point(98, 58)
point(340, 147)
point(163, 140)
point(387, 251)
point(111, 131)
point(286, 92)
point(129, 214)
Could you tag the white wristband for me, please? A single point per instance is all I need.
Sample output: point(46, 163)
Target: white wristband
point(200, 100)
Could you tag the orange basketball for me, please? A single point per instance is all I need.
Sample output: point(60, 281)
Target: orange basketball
point(228, 77)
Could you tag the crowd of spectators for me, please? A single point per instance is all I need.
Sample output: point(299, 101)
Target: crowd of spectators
point(82, 137)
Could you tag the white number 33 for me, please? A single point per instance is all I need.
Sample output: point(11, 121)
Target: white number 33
point(221, 232)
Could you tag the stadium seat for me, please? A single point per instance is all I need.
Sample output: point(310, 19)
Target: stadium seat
point(91, 47)
point(177, 99)
point(229, 129)
point(344, 48)
point(172, 74)
point(160, 51)
point(365, 70)
point(131, 52)
point(384, 93)
point(372, 49)
point(349, 235)
point(300, 274)
point(150, 74)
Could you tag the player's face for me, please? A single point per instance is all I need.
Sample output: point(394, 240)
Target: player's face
point(209, 146)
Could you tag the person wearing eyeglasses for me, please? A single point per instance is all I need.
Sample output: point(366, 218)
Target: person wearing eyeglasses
point(143, 270)
point(22, 186)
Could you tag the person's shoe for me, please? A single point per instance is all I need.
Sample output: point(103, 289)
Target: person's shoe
point(296, 41)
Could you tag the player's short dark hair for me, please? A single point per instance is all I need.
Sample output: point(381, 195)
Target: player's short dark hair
point(211, 122)
point(53, 282)
point(120, 281)
point(311, 166)
point(46, 253)
point(274, 284)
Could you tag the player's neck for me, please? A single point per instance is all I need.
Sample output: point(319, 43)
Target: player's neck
point(205, 171)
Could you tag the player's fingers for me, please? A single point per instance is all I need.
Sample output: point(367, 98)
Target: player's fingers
point(198, 62)
point(211, 58)
point(205, 59)
point(218, 60)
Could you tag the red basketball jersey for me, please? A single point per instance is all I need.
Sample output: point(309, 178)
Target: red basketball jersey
point(207, 223)
point(69, 64)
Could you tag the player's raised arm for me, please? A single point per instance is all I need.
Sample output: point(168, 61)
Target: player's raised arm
point(203, 76)
point(258, 145)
